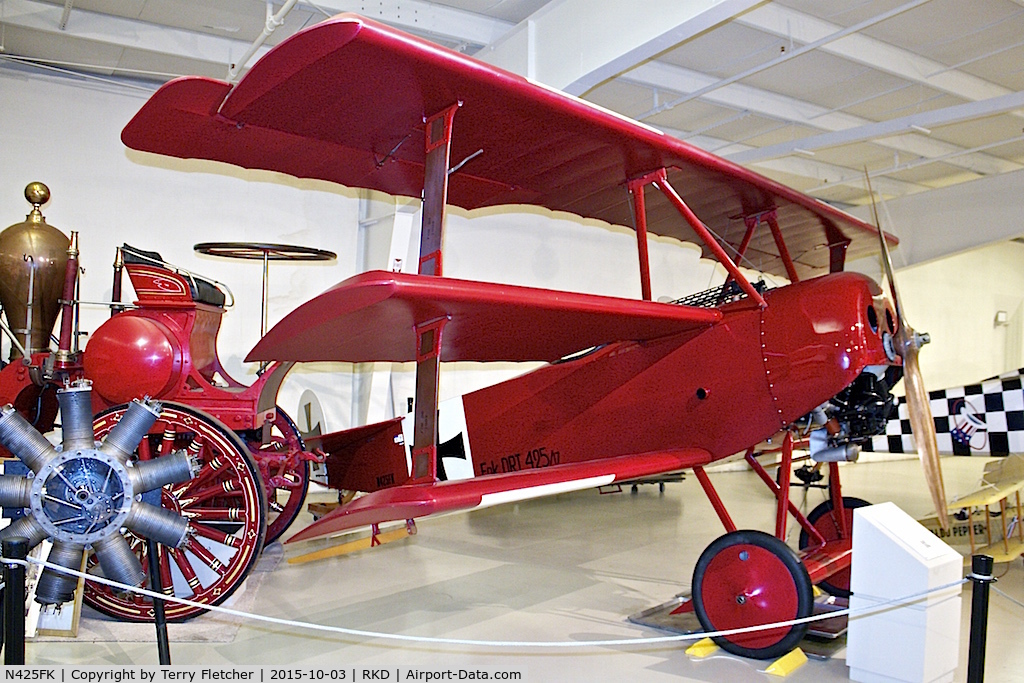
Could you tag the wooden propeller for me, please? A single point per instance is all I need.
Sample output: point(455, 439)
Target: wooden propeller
point(908, 344)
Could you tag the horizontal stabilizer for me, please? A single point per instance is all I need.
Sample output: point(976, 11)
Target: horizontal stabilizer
point(420, 500)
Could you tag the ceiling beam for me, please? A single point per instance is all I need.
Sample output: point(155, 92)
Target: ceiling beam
point(792, 54)
point(417, 16)
point(573, 45)
point(862, 49)
point(126, 33)
point(445, 23)
point(955, 218)
point(872, 131)
point(826, 174)
point(662, 76)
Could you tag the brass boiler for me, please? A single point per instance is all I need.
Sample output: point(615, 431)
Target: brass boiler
point(33, 258)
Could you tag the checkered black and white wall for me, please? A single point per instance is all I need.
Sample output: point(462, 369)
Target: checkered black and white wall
point(978, 419)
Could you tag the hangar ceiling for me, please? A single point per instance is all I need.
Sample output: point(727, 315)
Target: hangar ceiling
point(925, 93)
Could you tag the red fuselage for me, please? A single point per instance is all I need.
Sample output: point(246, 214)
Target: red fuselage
point(721, 389)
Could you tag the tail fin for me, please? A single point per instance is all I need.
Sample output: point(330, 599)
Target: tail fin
point(367, 458)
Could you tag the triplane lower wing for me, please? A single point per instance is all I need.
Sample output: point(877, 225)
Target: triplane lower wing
point(632, 388)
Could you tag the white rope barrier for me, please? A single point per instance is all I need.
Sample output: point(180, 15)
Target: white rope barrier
point(658, 640)
point(1011, 599)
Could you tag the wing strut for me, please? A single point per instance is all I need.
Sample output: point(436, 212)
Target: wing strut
point(435, 187)
point(660, 180)
point(438, 140)
point(837, 244)
point(636, 188)
point(428, 365)
point(773, 223)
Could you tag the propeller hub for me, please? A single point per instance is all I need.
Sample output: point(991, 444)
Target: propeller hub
point(81, 496)
point(889, 345)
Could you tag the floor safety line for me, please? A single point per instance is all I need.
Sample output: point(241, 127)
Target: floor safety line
point(657, 640)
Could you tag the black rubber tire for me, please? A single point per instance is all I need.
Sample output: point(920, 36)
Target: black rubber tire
point(722, 571)
point(839, 588)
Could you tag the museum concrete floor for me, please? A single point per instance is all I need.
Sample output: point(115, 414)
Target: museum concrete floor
point(569, 568)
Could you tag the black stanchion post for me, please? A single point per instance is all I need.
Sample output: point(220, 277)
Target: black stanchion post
point(981, 575)
point(14, 549)
point(159, 617)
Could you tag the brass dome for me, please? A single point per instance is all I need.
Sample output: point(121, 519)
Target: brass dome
point(33, 256)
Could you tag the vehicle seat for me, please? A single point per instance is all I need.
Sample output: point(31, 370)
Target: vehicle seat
point(203, 291)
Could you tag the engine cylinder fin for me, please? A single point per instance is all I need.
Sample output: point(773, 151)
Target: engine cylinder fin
point(24, 440)
point(76, 416)
point(160, 524)
point(14, 491)
point(55, 587)
point(125, 436)
point(175, 468)
point(118, 561)
point(26, 527)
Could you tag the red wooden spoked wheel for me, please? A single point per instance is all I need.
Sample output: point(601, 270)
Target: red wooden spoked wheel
point(826, 521)
point(749, 578)
point(284, 465)
point(225, 505)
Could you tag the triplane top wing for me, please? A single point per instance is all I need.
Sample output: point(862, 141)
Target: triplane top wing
point(346, 101)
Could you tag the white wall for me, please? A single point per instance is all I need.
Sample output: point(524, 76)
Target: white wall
point(955, 300)
point(949, 220)
point(66, 133)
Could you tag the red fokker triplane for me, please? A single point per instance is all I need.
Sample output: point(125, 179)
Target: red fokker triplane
point(631, 388)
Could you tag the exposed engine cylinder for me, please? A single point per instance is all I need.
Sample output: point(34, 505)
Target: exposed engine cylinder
point(148, 475)
point(22, 439)
point(55, 587)
point(118, 561)
point(15, 492)
point(76, 415)
point(159, 524)
point(821, 451)
point(83, 494)
point(852, 417)
point(134, 425)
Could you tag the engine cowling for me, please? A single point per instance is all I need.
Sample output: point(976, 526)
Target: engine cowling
point(130, 357)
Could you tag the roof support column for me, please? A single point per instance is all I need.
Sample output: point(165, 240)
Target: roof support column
point(708, 238)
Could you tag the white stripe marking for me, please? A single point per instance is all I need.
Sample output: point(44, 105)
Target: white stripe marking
point(490, 499)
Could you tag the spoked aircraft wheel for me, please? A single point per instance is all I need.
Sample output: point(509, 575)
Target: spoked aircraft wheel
point(749, 578)
point(225, 505)
point(284, 466)
point(824, 519)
